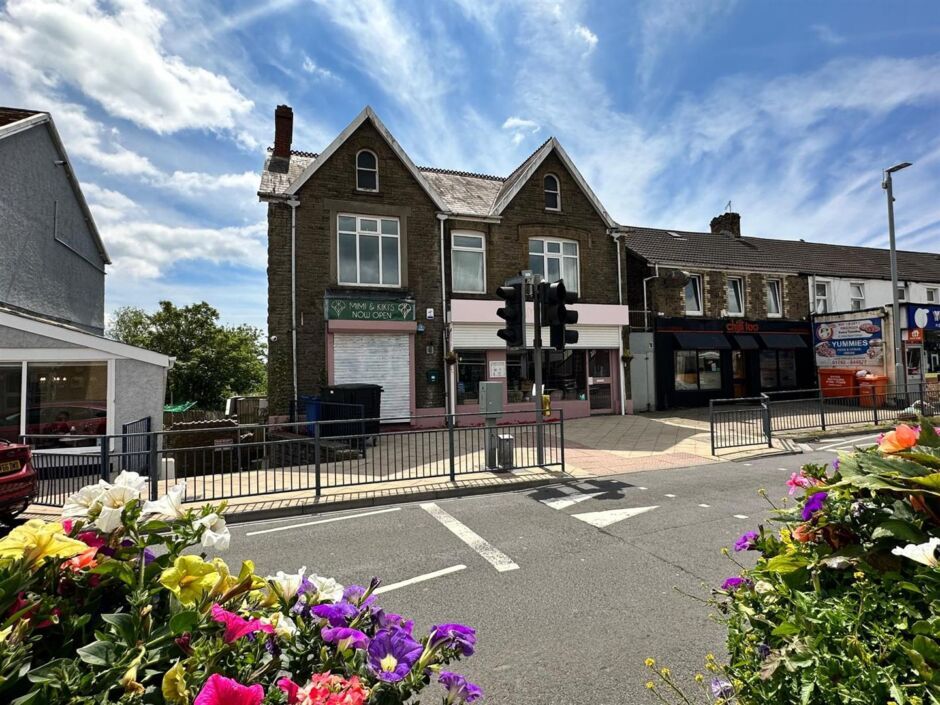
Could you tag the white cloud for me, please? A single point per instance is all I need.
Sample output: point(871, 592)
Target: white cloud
point(520, 128)
point(587, 36)
point(199, 183)
point(114, 55)
point(827, 35)
point(311, 67)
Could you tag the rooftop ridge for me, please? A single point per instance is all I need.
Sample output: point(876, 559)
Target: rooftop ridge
point(298, 153)
point(457, 172)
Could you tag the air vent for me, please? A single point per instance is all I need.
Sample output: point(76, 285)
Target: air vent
point(675, 235)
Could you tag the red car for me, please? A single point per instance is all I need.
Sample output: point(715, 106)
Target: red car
point(17, 480)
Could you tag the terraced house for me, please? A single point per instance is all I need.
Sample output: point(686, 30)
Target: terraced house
point(383, 271)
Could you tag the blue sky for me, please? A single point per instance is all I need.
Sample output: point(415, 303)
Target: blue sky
point(670, 108)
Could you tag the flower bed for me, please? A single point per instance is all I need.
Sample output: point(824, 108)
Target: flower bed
point(105, 606)
point(843, 605)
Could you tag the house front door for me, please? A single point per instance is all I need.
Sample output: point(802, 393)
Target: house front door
point(600, 381)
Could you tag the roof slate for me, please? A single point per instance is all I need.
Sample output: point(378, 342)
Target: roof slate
point(697, 249)
point(464, 193)
point(11, 115)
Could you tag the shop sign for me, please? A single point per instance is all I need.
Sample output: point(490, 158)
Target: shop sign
point(856, 343)
point(369, 310)
point(927, 317)
point(742, 326)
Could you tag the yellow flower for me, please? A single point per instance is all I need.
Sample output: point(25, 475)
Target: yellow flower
point(699, 678)
point(650, 685)
point(226, 581)
point(174, 687)
point(190, 578)
point(665, 672)
point(37, 540)
point(786, 536)
point(650, 662)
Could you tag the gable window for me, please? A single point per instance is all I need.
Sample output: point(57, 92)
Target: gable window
point(693, 295)
point(552, 193)
point(774, 298)
point(933, 295)
point(821, 297)
point(468, 262)
point(367, 171)
point(735, 296)
point(368, 251)
point(857, 295)
point(554, 260)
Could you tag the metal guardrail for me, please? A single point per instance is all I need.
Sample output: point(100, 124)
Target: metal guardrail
point(228, 460)
point(753, 421)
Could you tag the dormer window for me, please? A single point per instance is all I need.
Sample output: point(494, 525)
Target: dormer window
point(552, 193)
point(367, 171)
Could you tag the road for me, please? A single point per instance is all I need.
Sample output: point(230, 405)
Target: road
point(570, 587)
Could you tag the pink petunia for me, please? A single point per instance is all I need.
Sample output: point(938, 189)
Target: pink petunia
point(236, 627)
point(92, 539)
point(219, 690)
point(290, 689)
point(799, 481)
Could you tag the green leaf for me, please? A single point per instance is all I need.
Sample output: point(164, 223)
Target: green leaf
point(184, 622)
point(806, 692)
point(931, 482)
point(49, 672)
point(786, 563)
point(97, 653)
point(928, 435)
point(928, 648)
point(28, 699)
point(896, 528)
point(124, 625)
point(786, 629)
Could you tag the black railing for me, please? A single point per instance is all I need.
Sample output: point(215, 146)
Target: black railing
point(740, 422)
point(228, 461)
point(135, 445)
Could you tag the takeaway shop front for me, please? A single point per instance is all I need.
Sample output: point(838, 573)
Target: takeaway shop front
point(922, 343)
point(702, 359)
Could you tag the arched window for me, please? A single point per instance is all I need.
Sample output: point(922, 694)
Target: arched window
point(552, 193)
point(367, 171)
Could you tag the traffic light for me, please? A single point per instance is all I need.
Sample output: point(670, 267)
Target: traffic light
point(513, 313)
point(556, 316)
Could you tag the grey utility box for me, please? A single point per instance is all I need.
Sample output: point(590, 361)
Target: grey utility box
point(491, 399)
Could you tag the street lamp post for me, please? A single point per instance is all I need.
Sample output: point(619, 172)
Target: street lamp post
point(900, 368)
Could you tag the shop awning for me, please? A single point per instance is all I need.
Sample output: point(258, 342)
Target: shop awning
point(702, 341)
point(745, 342)
point(783, 341)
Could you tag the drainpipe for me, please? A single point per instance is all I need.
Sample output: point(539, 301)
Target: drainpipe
point(293, 203)
point(446, 369)
point(623, 384)
point(646, 312)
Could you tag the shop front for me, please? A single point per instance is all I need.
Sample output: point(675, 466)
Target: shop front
point(582, 380)
point(702, 359)
point(922, 343)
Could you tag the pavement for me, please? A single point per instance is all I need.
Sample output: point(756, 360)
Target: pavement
point(570, 586)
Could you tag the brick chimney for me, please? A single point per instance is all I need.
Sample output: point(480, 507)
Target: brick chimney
point(727, 224)
point(283, 130)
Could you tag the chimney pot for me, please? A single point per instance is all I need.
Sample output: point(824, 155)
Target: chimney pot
point(283, 130)
point(727, 223)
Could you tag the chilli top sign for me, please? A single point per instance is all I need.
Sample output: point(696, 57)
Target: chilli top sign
point(369, 310)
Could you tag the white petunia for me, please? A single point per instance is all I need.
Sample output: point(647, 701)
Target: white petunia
point(169, 506)
point(216, 535)
point(327, 589)
point(78, 505)
point(925, 553)
point(287, 583)
point(284, 626)
point(131, 480)
point(113, 502)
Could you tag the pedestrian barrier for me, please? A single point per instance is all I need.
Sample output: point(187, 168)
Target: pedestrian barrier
point(221, 459)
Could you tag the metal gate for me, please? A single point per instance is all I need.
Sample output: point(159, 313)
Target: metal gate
point(736, 423)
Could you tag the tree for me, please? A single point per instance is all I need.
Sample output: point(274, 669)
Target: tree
point(213, 361)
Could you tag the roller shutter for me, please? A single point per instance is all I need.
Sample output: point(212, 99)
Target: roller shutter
point(376, 359)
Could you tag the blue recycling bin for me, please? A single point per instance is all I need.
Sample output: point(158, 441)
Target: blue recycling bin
point(312, 408)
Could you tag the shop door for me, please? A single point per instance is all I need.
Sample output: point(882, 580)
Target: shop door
point(600, 381)
point(739, 373)
point(376, 359)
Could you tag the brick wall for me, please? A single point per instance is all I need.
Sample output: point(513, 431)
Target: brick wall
point(332, 189)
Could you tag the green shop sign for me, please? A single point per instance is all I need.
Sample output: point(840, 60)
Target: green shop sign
point(369, 310)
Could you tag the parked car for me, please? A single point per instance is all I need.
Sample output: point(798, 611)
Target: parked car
point(82, 418)
point(17, 480)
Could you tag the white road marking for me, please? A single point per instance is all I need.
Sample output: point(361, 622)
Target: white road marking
point(705, 506)
point(493, 555)
point(419, 579)
point(671, 496)
point(741, 516)
point(845, 442)
point(569, 499)
point(642, 488)
point(611, 516)
point(805, 447)
point(323, 521)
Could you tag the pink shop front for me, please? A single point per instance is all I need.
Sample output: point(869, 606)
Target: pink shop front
point(583, 380)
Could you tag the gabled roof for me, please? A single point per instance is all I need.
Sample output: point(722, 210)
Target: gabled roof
point(38, 325)
point(15, 120)
point(724, 251)
point(515, 181)
point(367, 114)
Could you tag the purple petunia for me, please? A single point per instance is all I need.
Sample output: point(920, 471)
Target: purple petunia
point(337, 614)
point(344, 637)
point(459, 689)
point(763, 651)
point(746, 541)
point(835, 464)
point(814, 504)
point(392, 653)
point(734, 583)
point(454, 636)
point(721, 688)
point(387, 620)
